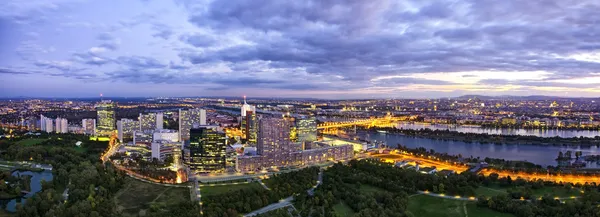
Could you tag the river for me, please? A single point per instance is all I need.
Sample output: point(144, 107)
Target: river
point(542, 155)
point(36, 186)
point(500, 131)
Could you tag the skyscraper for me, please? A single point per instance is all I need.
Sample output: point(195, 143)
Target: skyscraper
point(187, 120)
point(62, 125)
point(274, 140)
point(106, 116)
point(249, 123)
point(207, 150)
point(46, 124)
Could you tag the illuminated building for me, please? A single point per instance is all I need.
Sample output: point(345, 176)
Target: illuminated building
point(125, 128)
point(161, 149)
point(89, 126)
point(306, 130)
point(105, 111)
point(249, 123)
point(187, 120)
point(46, 124)
point(207, 150)
point(61, 125)
point(151, 121)
point(142, 137)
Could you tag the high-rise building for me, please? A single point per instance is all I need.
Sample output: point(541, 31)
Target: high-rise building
point(151, 121)
point(89, 126)
point(61, 125)
point(306, 129)
point(187, 120)
point(106, 116)
point(274, 140)
point(125, 128)
point(46, 124)
point(207, 150)
point(249, 123)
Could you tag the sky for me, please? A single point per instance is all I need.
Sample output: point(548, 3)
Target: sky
point(310, 48)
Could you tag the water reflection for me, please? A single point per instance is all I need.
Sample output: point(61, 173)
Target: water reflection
point(525, 132)
point(36, 186)
point(543, 155)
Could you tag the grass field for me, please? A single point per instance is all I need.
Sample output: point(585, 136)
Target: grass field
point(219, 189)
point(554, 191)
point(30, 141)
point(489, 191)
point(342, 209)
point(428, 206)
point(137, 196)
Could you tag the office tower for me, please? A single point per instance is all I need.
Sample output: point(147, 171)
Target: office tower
point(151, 121)
point(89, 126)
point(61, 125)
point(306, 129)
point(207, 150)
point(161, 149)
point(46, 124)
point(106, 116)
point(187, 120)
point(249, 123)
point(125, 128)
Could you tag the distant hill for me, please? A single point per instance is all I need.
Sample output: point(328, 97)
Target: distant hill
point(532, 97)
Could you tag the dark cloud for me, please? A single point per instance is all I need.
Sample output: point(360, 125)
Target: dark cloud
point(358, 40)
point(13, 71)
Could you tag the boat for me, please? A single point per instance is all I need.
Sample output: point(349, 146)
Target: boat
point(382, 131)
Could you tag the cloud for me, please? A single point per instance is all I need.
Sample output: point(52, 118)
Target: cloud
point(140, 62)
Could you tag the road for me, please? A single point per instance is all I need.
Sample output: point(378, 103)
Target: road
point(319, 181)
point(475, 199)
point(282, 203)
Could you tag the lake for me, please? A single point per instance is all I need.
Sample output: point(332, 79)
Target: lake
point(36, 186)
point(499, 131)
point(542, 155)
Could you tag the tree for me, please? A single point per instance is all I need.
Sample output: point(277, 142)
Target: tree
point(441, 188)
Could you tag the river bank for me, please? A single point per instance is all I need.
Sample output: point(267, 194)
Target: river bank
point(448, 135)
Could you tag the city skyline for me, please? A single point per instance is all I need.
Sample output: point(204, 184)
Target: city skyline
point(364, 49)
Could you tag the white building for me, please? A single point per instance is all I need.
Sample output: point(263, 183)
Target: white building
point(62, 125)
point(166, 135)
point(189, 118)
point(89, 126)
point(46, 124)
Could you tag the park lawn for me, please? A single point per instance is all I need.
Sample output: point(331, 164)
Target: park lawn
point(31, 141)
point(137, 195)
point(220, 189)
point(488, 192)
point(4, 213)
point(342, 209)
point(429, 206)
point(474, 210)
point(370, 189)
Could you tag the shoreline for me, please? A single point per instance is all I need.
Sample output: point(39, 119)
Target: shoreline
point(484, 138)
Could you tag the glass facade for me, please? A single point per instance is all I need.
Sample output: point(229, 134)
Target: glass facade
point(249, 127)
point(306, 130)
point(105, 111)
point(207, 150)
